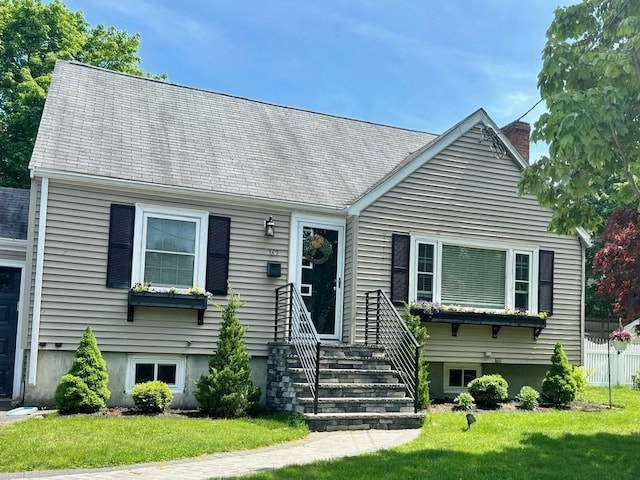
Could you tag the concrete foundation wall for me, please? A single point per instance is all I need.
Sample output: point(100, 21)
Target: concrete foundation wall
point(52, 365)
point(516, 376)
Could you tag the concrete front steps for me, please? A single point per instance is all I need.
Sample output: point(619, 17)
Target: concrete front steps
point(358, 390)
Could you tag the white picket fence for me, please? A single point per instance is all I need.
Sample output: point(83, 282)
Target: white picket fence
point(624, 365)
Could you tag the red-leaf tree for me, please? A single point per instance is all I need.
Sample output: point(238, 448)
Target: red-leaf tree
point(618, 261)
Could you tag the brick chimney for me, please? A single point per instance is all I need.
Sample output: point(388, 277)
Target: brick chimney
point(518, 134)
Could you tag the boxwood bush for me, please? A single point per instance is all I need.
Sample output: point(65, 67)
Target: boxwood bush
point(152, 397)
point(489, 390)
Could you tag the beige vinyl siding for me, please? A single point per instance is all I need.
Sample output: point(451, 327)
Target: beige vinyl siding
point(6, 254)
point(465, 192)
point(74, 279)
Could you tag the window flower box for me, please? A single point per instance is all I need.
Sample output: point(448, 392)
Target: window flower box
point(167, 300)
point(497, 319)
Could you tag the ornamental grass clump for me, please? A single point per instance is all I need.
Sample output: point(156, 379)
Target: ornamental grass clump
point(489, 390)
point(227, 391)
point(559, 387)
point(84, 388)
point(152, 397)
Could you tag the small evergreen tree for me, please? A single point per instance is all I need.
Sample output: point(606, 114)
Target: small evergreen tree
point(227, 391)
point(84, 388)
point(420, 332)
point(559, 386)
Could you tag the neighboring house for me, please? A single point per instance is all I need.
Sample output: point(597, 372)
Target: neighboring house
point(14, 217)
point(139, 180)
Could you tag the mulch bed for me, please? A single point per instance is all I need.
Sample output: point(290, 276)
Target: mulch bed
point(444, 406)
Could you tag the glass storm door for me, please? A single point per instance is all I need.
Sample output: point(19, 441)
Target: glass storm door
point(320, 277)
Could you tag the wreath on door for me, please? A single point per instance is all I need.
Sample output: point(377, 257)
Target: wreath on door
point(314, 244)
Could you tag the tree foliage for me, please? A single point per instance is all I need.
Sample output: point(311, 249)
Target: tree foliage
point(590, 81)
point(33, 36)
point(84, 389)
point(227, 391)
point(618, 263)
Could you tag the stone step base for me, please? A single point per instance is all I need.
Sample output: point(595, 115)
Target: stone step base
point(357, 405)
point(354, 390)
point(349, 375)
point(329, 422)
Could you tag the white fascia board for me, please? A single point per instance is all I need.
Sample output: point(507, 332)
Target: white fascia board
point(584, 236)
point(184, 192)
point(429, 151)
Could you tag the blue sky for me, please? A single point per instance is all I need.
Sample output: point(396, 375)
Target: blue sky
point(417, 64)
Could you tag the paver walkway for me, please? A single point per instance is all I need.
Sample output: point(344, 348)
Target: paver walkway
point(317, 446)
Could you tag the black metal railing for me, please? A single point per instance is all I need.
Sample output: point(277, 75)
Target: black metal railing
point(385, 327)
point(293, 324)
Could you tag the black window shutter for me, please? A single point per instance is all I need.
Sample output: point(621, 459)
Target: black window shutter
point(121, 224)
point(218, 254)
point(400, 245)
point(545, 282)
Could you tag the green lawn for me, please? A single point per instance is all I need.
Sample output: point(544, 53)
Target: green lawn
point(61, 442)
point(506, 445)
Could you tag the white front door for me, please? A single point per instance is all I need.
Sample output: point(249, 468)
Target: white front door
point(317, 270)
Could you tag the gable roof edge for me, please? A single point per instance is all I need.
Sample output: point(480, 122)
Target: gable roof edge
point(418, 158)
point(584, 237)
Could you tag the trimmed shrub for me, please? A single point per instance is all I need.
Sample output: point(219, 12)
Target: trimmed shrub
point(464, 401)
point(559, 386)
point(227, 390)
point(74, 396)
point(636, 382)
point(152, 397)
point(419, 331)
point(528, 398)
point(84, 388)
point(489, 390)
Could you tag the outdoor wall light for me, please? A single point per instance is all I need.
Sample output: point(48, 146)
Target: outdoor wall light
point(269, 227)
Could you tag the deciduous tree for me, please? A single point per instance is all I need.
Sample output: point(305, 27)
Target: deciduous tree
point(33, 36)
point(590, 81)
point(618, 263)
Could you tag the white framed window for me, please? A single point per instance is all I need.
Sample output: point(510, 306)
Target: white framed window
point(170, 247)
point(457, 376)
point(170, 370)
point(475, 275)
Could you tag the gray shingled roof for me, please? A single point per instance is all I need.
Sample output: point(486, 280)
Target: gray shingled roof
point(14, 213)
point(109, 124)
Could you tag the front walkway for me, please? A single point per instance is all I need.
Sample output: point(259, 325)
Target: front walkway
point(317, 446)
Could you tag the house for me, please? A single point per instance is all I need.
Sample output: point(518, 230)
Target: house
point(14, 216)
point(139, 180)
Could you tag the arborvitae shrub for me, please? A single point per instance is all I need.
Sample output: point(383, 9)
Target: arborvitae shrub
point(84, 388)
point(152, 397)
point(419, 331)
point(227, 391)
point(559, 386)
point(489, 390)
point(528, 398)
